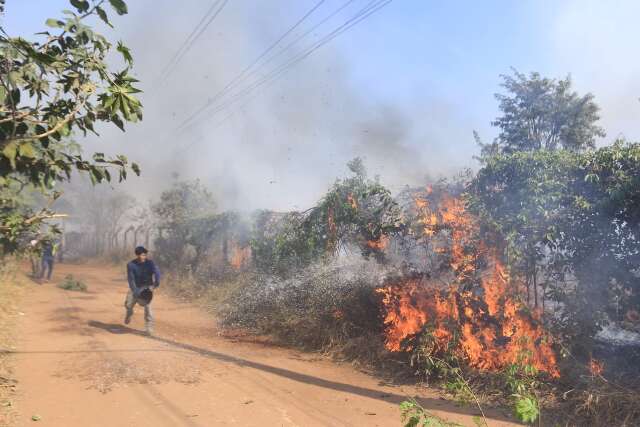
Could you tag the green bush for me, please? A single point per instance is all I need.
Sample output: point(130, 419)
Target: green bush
point(72, 284)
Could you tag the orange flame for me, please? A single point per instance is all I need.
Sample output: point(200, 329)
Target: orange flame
point(352, 201)
point(380, 244)
point(596, 367)
point(491, 330)
point(240, 256)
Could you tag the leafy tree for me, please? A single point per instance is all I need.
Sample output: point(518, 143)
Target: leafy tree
point(542, 113)
point(50, 88)
point(356, 211)
point(185, 217)
point(571, 225)
point(567, 214)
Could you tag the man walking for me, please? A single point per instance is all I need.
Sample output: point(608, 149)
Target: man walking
point(48, 252)
point(143, 276)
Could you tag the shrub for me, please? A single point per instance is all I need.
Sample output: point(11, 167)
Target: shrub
point(321, 306)
point(72, 284)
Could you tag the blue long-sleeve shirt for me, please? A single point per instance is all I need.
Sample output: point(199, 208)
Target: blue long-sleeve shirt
point(47, 250)
point(142, 274)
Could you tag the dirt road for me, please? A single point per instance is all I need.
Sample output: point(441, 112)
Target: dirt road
point(77, 365)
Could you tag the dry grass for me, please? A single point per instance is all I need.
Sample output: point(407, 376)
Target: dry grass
point(210, 296)
point(11, 291)
point(598, 403)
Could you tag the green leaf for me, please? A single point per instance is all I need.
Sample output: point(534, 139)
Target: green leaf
point(10, 151)
point(526, 409)
point(42, 57)
point(26, 150)
point(54, 23)
point(126, 53)
point(120, 6)
point(103, 15)
point(35, 418)
point(118, 122)
point(126, 111)
point(81, 5)
point(15, 96)
point(136, 168)
point(64, 129)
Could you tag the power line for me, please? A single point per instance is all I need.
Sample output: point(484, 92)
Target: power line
point(360, 16)
point(305, 53)
point(302, 36)
point(255, 71)
point(223, 121)
point(188, 39)
point(231, 84)
point(238, 78)
point(364, 13)
point(197, 32)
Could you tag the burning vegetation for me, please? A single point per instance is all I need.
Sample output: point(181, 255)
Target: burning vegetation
point(478, 315)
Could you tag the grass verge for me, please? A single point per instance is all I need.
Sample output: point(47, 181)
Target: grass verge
point(11, 292)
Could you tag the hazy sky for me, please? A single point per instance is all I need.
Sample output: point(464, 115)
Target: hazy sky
point(404, 89)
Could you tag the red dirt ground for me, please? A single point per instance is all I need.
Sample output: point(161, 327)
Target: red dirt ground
point(78, 365)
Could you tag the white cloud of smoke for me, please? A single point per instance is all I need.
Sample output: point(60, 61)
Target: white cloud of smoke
point(287, 145)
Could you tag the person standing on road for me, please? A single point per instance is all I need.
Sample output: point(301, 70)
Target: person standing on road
point(34, 257)
point(48, 259)
point(143, 276)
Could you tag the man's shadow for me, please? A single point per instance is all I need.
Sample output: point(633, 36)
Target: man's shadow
point(426, 402)
point(115, 328)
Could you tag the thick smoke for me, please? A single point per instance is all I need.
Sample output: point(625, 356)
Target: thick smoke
point(287, 145)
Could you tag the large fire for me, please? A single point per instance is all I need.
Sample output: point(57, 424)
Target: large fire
point(488, 325)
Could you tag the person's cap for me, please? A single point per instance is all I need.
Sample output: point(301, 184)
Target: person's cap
point(141, 250)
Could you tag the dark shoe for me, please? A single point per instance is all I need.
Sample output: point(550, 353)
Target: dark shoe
point(127, 319)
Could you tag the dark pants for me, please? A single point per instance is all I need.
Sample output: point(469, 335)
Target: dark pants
point(47, 265)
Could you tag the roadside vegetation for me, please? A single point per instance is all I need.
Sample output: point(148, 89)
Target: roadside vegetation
point(11, 292)
point(70, 283)
point(51, 88)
